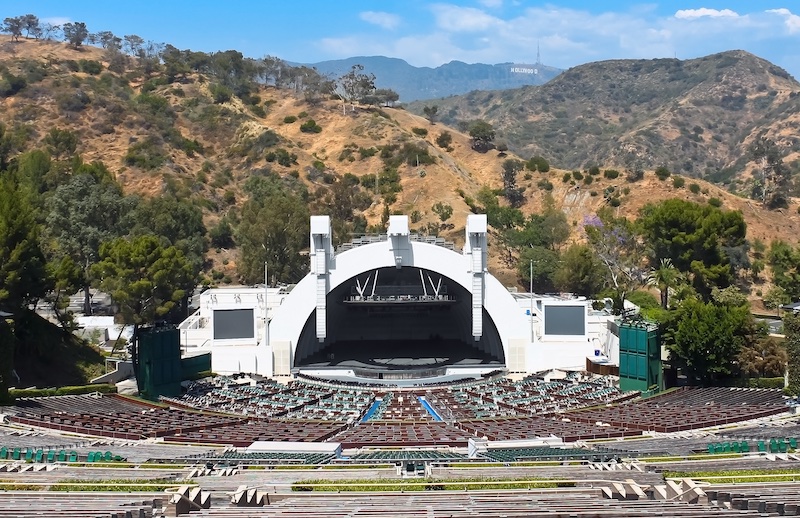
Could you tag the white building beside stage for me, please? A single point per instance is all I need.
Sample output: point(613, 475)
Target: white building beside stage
point(271, 331)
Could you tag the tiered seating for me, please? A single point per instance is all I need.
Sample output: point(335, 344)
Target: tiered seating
point(399, 434)
point(688, 409)
point(145, 422)
point(540, 453)
point(242, 434)
point(344, 405)
point(237, 457)
point(402, 406)
point(533, 427)
point(406, 455)
point(504, 398)
point(300, 399)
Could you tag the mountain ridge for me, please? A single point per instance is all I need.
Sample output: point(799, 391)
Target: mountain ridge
point(695, 117)
point(453, 78)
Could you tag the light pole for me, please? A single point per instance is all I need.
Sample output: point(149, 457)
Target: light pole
point(531, 295)
point(266, 292)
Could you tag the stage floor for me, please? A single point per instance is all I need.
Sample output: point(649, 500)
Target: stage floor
point(389, 356)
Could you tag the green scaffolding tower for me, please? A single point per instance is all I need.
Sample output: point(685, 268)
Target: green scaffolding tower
point(158, 364)
point(640, 356)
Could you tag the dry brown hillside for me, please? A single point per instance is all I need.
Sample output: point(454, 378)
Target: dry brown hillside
point(142, 128)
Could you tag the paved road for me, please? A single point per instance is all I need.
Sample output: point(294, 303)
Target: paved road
point(775, 325)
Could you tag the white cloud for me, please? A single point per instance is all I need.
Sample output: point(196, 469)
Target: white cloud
point(703, 12)
point(56, 20)
point(386, 20)
point(570, 37)
point(792, 20)
point(452, 18)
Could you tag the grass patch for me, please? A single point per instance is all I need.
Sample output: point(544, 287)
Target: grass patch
point(115, 485)
point(122, 485)
point(357, 466)
point(469, 484)
point(697, 456)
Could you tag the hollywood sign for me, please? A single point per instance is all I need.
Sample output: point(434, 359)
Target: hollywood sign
point(521, 70)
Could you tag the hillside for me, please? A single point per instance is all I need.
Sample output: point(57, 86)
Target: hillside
point(454, 78)
point(179, 137)
point(696, 117)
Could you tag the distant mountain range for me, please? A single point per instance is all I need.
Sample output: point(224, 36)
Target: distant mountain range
point(454, 78)
point(696, 117)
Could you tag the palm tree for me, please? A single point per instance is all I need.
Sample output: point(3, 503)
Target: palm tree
point(665, 278)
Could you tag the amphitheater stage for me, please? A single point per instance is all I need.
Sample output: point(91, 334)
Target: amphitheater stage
point(399, 362)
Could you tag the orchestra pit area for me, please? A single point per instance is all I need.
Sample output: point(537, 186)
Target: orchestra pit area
point(237, 446)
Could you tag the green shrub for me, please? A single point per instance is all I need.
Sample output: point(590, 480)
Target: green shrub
point(566, 178)
point(289, 119)
point(310, 126)
point(11, 84)
point(634, 175)
point(229, 197)
point(220, 94)
point(662, 173)
point(594, 170)
point(611, 174)
point(588, 179)
point(302, 115)
point(281, 156)
point(146, 155)
point(420, 132)
point(367, 152)
point(766, 383)
point(615, 201)
point(715, 202)
point(678, 182)
point(694, 188)
point(538, 163)
point(577, 175)
point(258, 110)
point(545, 185)
point(102, 388)
point(73, 102)
point(444, 140)
point(90, 66)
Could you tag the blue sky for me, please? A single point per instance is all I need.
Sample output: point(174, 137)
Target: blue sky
point(424, 33)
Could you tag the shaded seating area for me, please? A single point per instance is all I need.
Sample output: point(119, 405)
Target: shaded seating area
point(409, 455)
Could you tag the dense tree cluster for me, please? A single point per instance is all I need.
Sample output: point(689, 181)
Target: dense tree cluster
point(694, 255)
point(66, 226)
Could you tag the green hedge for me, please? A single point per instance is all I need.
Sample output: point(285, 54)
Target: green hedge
point(64, 391)
point(769, 383)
